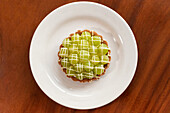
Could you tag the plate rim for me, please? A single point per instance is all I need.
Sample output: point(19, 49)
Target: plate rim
point(122, 20)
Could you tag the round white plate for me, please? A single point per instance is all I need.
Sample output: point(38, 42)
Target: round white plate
point(68, 19)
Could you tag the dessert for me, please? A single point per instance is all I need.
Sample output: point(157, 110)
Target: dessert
point(84, 56)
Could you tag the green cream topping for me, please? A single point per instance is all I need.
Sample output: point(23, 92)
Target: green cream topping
point(84, 56)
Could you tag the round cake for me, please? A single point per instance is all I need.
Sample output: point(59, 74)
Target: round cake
point(84, 56)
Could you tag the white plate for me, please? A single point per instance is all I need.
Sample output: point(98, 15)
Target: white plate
point(68, 19)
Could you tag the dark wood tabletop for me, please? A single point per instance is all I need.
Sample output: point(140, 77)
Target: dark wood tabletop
point(149, 90)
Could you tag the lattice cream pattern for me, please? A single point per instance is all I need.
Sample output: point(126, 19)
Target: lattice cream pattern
point(76, 38)
point(95, 59)
point(104, 59)
point(73, 48)
point(73, 58)
point(88, 66)
point(99, 69)
point(63, 52)
point(81, 56)
point(103, 49)
point(70, 71)
point(67, 42)
point(78, 67)
point(84, 55)
point(86, 35)
point(65, 62)
point(83, 44)
point(95, 40)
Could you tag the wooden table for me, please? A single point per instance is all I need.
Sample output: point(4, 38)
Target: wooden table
point(149, 90)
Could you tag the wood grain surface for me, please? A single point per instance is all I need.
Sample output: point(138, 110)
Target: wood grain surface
point(149, 90)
